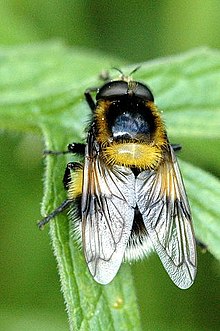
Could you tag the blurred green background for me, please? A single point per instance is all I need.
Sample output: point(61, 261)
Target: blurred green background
point(132, 31)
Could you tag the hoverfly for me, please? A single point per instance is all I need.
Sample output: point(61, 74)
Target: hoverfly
point(127, 198)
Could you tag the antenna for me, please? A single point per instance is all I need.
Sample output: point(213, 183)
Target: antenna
point(135, 69)
point(120, 71)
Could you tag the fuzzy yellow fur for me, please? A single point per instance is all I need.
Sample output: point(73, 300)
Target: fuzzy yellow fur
point(75, 186)
point(132, 155)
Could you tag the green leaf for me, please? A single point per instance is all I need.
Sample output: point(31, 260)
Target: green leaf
point(41, 90)
point(186, 88)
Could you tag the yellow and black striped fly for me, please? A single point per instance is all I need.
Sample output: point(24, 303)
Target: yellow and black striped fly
point(127, 197)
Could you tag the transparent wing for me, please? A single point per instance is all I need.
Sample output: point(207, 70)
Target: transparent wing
point(108, 202)
point(163, 203)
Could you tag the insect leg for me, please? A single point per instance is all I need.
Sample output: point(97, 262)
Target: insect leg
point(89, 98)
point(176, 147)
point(64, 205)
point(201, 245)
point(74, 148)
point(71, 166)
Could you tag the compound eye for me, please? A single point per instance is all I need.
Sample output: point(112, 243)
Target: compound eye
point(120, 88)
point(112, 89)
point(143, 92)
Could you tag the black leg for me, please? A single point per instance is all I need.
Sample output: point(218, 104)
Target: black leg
point(176, 147)
point(49, 152)
point(64, 205)
point(74, 148)
point(89, 98)
point(201, 245)
point(71, 166)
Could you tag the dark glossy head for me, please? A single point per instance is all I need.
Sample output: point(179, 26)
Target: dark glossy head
point(119, 88)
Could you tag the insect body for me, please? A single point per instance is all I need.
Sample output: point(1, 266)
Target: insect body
point(129, 191)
